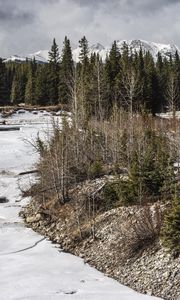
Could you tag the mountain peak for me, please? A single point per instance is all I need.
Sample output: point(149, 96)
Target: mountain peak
point(135, 45)
point(97, 47)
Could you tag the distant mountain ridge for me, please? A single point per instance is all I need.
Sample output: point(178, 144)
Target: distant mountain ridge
point(135, 45)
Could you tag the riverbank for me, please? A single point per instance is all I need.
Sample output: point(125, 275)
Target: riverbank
point(32, 267)
point(7, 111)
point(152, 270)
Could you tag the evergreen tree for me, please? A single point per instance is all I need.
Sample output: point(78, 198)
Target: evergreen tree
point(84, 51)
point(3, 83)
point(96, 86)
point(18, 86)
point(41, 85)
point(53, 73)
point(171, 228)
point(30, 86)
point(151, 85)
point(84, 80)
point(177, 74)
point(9, 79)
point(66, 73)
point(124, 78)
point(151, 171)
point(112, 71)
point(54, 54)
point(161, 66)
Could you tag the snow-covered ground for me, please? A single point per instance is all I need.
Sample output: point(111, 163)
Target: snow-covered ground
point(30, 266)
point(169, 115)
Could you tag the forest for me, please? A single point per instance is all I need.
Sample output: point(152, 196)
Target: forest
point(113, 131)
point(127, 79)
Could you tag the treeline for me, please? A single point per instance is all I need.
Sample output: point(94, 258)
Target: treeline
point(129, 159)
point(126, 79)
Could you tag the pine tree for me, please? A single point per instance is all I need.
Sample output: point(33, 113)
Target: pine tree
point(41, 85)
point(96, 99)
point(112, 71)
point(114, 59)
point(66, 73)
point(9, 79)
point(84, 80)
point(84, 51)
point(54, 54)
point(151, 84)
point(161, 66)
point(18, 86)
point(53, 73)
point(150, 172)
point(171, 228)
point(177, 74)
point(3, 83)
point(30, 97)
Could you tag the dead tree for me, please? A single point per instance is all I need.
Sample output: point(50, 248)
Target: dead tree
point(172, 94)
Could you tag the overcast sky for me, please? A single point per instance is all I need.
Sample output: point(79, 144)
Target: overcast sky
point(30, 25)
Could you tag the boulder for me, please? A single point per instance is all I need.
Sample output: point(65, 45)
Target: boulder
point(3, 200)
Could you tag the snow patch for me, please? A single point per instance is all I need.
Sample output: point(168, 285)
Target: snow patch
point(32, 267)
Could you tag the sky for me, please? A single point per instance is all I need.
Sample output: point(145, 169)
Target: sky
point(27, 26)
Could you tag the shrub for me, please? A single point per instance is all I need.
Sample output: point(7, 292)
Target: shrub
point(150, 171)
point(171, 228)
point(144, 229)
point(95, 169)
point(110, 196)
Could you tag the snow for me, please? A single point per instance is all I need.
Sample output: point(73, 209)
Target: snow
point(164, 49)
point(41, 55)
point(32, 267)
point(169, 115)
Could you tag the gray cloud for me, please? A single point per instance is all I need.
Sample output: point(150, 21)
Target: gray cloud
point(15, 16)
point(27, 26)
point(138, 4)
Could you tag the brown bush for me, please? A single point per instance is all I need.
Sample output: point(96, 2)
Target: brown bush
point(143, 229)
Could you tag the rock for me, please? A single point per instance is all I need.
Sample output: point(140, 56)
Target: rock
point(30, 219)
point(153, 272)
point(3, 200)
point(38, 217)
point(33, 219)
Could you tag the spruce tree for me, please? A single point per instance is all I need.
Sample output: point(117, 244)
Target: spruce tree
point(18, 86)
point(54, 54)
point(151, 85)
point(66, 73)
point(177, 74)
point(84, 51)
point(3, 83)
point(53, 73)
point(41, 85)
point(96, 87)
point(113, 70)
point(30, 85)
point(171, 228)
point(161, 66)
point(84, 80)
point(150, 172)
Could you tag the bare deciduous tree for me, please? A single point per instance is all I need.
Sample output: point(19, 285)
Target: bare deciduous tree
point(172, 94)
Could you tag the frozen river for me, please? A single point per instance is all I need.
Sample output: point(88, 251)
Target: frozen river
point(30, 266)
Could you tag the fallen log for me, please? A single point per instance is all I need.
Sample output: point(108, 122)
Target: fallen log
point(9, 128)
point(28, 172)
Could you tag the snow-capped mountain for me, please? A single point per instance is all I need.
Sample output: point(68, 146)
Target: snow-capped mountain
point(135, 45)
point(164, 49)
point(40, 56)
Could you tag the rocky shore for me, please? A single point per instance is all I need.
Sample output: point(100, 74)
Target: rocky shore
point(153, 270)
